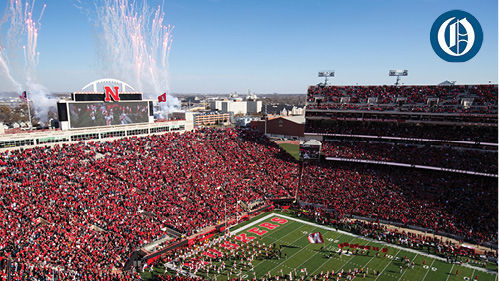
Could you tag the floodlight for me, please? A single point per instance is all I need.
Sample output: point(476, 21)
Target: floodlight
point(398, 73)
point(326, 74)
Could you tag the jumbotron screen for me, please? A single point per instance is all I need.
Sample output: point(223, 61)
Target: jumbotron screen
point(309, 152)
point(107, 114)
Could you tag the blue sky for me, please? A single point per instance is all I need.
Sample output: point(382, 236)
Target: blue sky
point(278, 45)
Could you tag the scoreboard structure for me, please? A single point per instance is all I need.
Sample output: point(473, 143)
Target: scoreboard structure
point(104, 102)
point(310, 150)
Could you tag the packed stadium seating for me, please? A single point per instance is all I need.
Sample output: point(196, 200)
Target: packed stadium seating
point(390, 129)
point(482, 161)
point(81, 209)
point(96, 202)
point(430, 243)
point(435, 200)
point(448, 99)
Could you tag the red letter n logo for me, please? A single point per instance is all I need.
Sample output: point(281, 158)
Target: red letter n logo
point(110, 93)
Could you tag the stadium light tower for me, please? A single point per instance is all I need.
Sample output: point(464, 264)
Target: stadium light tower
point(326, 74)
point(398, 73)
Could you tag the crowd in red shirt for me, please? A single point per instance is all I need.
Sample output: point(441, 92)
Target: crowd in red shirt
point(79, 210)
point(483, 161)
point(428, 242)
point(448, 202)
point(405, 98)
point(86, 207)
point(391, 129)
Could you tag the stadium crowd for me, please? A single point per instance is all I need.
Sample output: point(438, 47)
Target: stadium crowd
point(436, 156)
point(431, 199)
point(85, 207)
point(79, 210)
point(426, 242)
point(449, 99)
point(387, 129)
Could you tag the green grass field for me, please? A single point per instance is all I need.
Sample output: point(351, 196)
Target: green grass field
point(292, 235)
point(291, 148)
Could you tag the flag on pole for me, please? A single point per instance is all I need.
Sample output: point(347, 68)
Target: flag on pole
point(315, 238)
point(162, 98)
point(24, 96)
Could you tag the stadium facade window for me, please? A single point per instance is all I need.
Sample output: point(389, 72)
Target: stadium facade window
point(6, 144)
point(159, 129)
point(112, 134)
point(84, 137)
point(51, 140)
point(137, 132)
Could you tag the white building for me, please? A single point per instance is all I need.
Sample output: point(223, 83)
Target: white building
point(293, 111)
point(254, 106)
point(216, 105)
point(235, 106)
point(243, 121)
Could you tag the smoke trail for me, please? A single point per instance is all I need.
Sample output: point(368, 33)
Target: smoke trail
point(134, 43)
point(20, 57)
point(4, 68)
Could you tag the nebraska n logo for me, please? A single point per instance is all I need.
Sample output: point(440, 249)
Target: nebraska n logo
point(456, 36)
point(110, 94)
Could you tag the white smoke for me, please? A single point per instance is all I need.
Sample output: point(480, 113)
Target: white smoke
point(5, 71)
point(19, 56)
point(134, 42)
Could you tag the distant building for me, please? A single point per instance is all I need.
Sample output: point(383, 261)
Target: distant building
point(184, 115)
point(212, 118)
point(281, 127)
point(254, 106)
point(243, 121)
point(283, 109)
point(216, 105)
point(235, 106)
point(196, 108)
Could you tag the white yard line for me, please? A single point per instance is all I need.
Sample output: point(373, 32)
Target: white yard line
point(408, 268)
point(349, 259)
point(264, 218)
point(429, 269)
point(384, 243)
point(328, 259)
point(370, 260)
point(252, 223)
point(310, 258)
point(450, 272)
point(284, 260)
point(248, 226)
point(386, 266)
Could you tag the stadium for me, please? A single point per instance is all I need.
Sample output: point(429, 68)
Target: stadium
point(399, 182)
point(351, 178)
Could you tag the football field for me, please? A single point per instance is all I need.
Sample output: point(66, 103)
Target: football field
point(298, 254)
